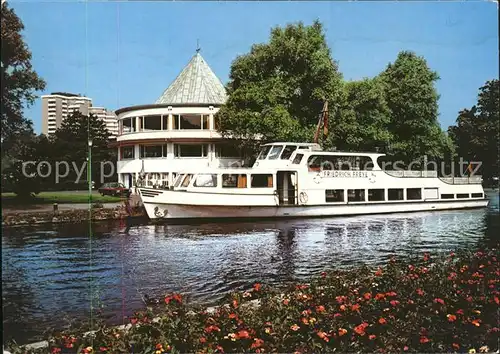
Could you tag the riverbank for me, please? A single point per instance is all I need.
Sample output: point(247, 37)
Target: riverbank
point(447, 304)
point(60, 197)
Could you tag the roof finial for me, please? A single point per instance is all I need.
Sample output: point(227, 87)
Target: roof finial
point(198, 46)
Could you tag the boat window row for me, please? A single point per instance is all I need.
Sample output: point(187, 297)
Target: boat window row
point(160, 122)
point(317, 163)
point(281, 152)
point(257, 180)
point(223, 150)
point(393, 194)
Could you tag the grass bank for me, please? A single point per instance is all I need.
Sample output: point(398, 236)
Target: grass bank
point(10, 199)
point(449, 304)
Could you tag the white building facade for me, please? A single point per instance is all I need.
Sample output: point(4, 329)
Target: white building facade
point(108, 117)
point(176, 132)
point(57, 106)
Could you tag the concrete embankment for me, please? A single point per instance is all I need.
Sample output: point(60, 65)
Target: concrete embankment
point(25, 218)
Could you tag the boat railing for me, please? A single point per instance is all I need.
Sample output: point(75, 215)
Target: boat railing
point(462, 180)
point(413, 174)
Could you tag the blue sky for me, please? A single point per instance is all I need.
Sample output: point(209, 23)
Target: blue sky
point(126, 53)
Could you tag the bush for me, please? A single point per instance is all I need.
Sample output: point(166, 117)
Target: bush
point(447, 305)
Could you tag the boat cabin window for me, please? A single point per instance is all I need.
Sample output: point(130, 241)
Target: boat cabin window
point(447, 196)
point(376, 195)
point(298, 158)
point(413, 193)
point(477, 195)
point(206, 180)
point(288, 151)
point(356, 195)
point(275, 152)
point(262, 181)
point(395, 194)
point(187, 180)
point(462, 195)
point(234, 181)
point(263, 152)
point(178, 180)
point(334, 195)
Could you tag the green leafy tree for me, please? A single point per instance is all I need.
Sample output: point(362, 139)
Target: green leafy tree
point(19, 80)
point(413, 103)
point(363, 118)
point(71, 141)
point(476, 134)
point(277, 91)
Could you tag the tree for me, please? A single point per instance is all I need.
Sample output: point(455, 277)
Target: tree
point(476, 134)
point(277, 91)
point(19, 80)
point(413, 103)
point(363, 118)
point(71, 141)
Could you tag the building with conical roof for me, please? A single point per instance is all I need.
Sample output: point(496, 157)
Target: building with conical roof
point(175, 132)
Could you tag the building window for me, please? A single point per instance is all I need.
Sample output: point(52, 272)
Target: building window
point(462, 195)
point(234, 181)
point(447, 196)
point(356, 195)
point(206, 180)
point(127, 152)
point(477, 195)
point(147, 151)
point(414, 193)
point(190, 150)
point(376, 195)
point(187, 121)
point(227, 150)
point(395, 194)
point(288, 151)
point(128, 125)
point(334, 195)
point(165, 122)
point(205, 124)
point(262, 181)
point(151, 122)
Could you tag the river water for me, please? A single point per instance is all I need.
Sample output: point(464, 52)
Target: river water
point(47, 272)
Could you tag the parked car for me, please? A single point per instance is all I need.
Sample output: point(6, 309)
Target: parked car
point(115, 189)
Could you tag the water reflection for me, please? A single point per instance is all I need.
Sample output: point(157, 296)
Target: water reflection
point(47, 274)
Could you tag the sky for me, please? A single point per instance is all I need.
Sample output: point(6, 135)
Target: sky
point(127, 53)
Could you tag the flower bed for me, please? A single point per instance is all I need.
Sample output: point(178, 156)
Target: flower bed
point(444, 305)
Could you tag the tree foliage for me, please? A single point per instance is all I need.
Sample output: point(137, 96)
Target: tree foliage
point(476, 133)
point(19, 80)
point(277, 90)
point(413, 104)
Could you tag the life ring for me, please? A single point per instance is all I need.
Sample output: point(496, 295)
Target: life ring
point(303, 197)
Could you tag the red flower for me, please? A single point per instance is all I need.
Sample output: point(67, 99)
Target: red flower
point(243, 334)
point(360, 329)
point(340, 299)
point(257, 343)
point(177, 297)
point(391, 293)
point(424, 340)
point(476, 323)
point(452, 276)
point(342, 331)
point(372, 336)
point(439, 301)
point(420, 292)
point(456, 346)
point(355, 307)
point(323, 336)
point(159, 346)
point(203, 340)
point(411, 267)
point(460, 312)
point(233, 315)
point(286, 302)
point(294, 327)
point(405, 348)
point(212, 328)
point(426, 256)
point(304, 320)
point(411, 302)
point(235, 303)
point(257, 287)
point(496, 300)
point(451, 318)
point(367, 296)
point(323, 274)
point(103, 349)
point(337, 315)
point(379, 296)
point(342, 307)
point(133, 320)
point(378, 273)
point(320, 308)
point(55, 350)
point(382, 320)
point(394, 303)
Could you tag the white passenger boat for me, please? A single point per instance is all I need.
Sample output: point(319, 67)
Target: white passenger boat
point(300, 180)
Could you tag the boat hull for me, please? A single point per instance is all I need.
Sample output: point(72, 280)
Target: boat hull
point(169, 211)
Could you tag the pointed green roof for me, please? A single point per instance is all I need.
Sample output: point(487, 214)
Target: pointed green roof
point(196, 84)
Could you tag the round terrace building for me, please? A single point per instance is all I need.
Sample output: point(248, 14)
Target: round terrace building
point(176, 132)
